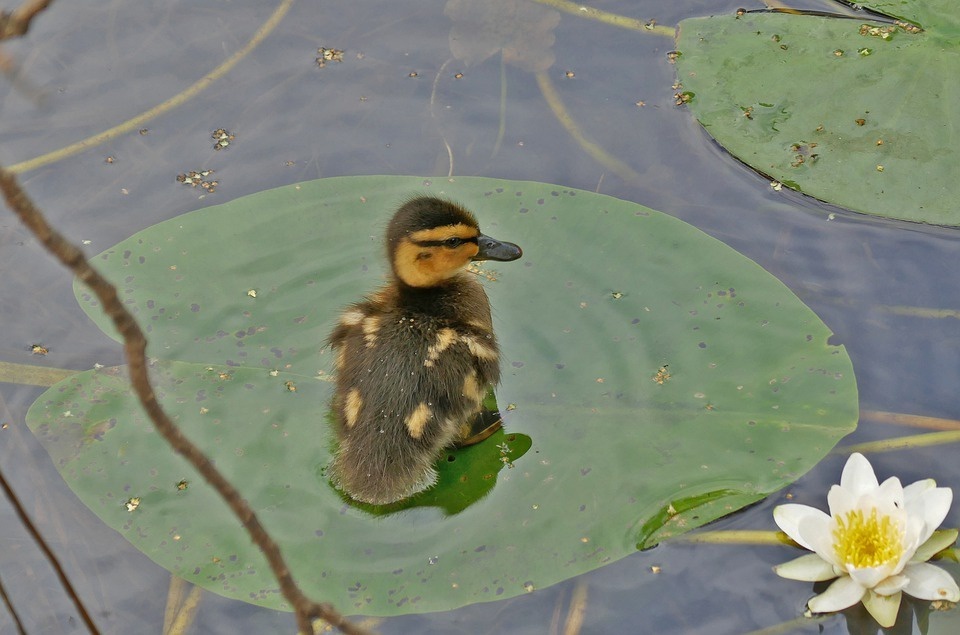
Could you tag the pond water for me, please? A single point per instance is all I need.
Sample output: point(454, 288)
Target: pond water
point(395, 105)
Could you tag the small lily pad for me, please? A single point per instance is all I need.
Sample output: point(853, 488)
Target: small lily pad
point(653, 380)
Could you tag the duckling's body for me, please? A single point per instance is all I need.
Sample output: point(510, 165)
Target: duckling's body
point(415, 359)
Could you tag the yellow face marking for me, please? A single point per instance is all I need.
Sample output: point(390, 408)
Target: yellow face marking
point(351, 407)
point(479, 349)
point(370, 327)
point(351, 318)
point(429, 265)
point(445, 339)
point(417, 420)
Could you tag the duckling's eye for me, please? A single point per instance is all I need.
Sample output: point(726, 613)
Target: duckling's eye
point(453, 242)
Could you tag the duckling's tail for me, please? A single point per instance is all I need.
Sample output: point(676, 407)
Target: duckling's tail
point(378, 480)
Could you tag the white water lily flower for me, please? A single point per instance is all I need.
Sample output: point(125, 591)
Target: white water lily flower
point(876, 542)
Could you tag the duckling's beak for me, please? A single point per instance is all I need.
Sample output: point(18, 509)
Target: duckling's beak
point(493, 249)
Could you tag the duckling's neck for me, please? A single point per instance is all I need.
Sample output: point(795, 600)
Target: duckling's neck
point(450, 300)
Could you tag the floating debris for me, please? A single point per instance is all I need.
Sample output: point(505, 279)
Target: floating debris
point(489, 274)
point(222, 138)
point(883, 32)
point(505, 455)
point(325, 55)
point(908, 27)
point(662, 375)
point(199, 177)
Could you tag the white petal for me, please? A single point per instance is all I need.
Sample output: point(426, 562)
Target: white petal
point(892, 491)
point(913, 490)
point(939, 541)
point(884, 505)
point(808, 568)
point(816, 532)
point(840, 501)
point(928, 582)
point(931, 505)
point(841, 594)
point(893, 584)
point(883, 608)
point(912, 533)
point(869, 577)
point(788, 518)
point(858, 476)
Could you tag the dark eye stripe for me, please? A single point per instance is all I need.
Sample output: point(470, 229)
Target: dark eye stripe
point(444, 243)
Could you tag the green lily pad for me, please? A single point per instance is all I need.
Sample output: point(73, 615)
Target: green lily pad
point(860, 114)
point(654, 380)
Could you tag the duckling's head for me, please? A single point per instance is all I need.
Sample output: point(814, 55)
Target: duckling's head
point(430, 240)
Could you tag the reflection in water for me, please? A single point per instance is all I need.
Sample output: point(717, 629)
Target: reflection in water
point(464, 475)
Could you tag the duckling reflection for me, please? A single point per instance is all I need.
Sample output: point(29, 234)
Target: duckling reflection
point(414, 360)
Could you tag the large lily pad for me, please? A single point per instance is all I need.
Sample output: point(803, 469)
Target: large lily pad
point(654, 380)
point(861, 114)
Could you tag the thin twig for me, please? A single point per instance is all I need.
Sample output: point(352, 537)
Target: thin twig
point(135, 349)
point(17, 22)
point(32, 530)
point(11, 610)
point(433, 100)
point(162, 108)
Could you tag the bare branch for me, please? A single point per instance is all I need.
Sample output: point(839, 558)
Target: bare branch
point(135, 348)
point(64, 581)
point(17, 22)
point(12, 610)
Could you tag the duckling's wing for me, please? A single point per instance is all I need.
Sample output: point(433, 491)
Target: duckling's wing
point(405, 389)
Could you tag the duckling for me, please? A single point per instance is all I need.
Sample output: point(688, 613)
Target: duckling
point(414, 360)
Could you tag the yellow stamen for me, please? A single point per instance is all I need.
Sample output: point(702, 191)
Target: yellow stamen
point(867, 541)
